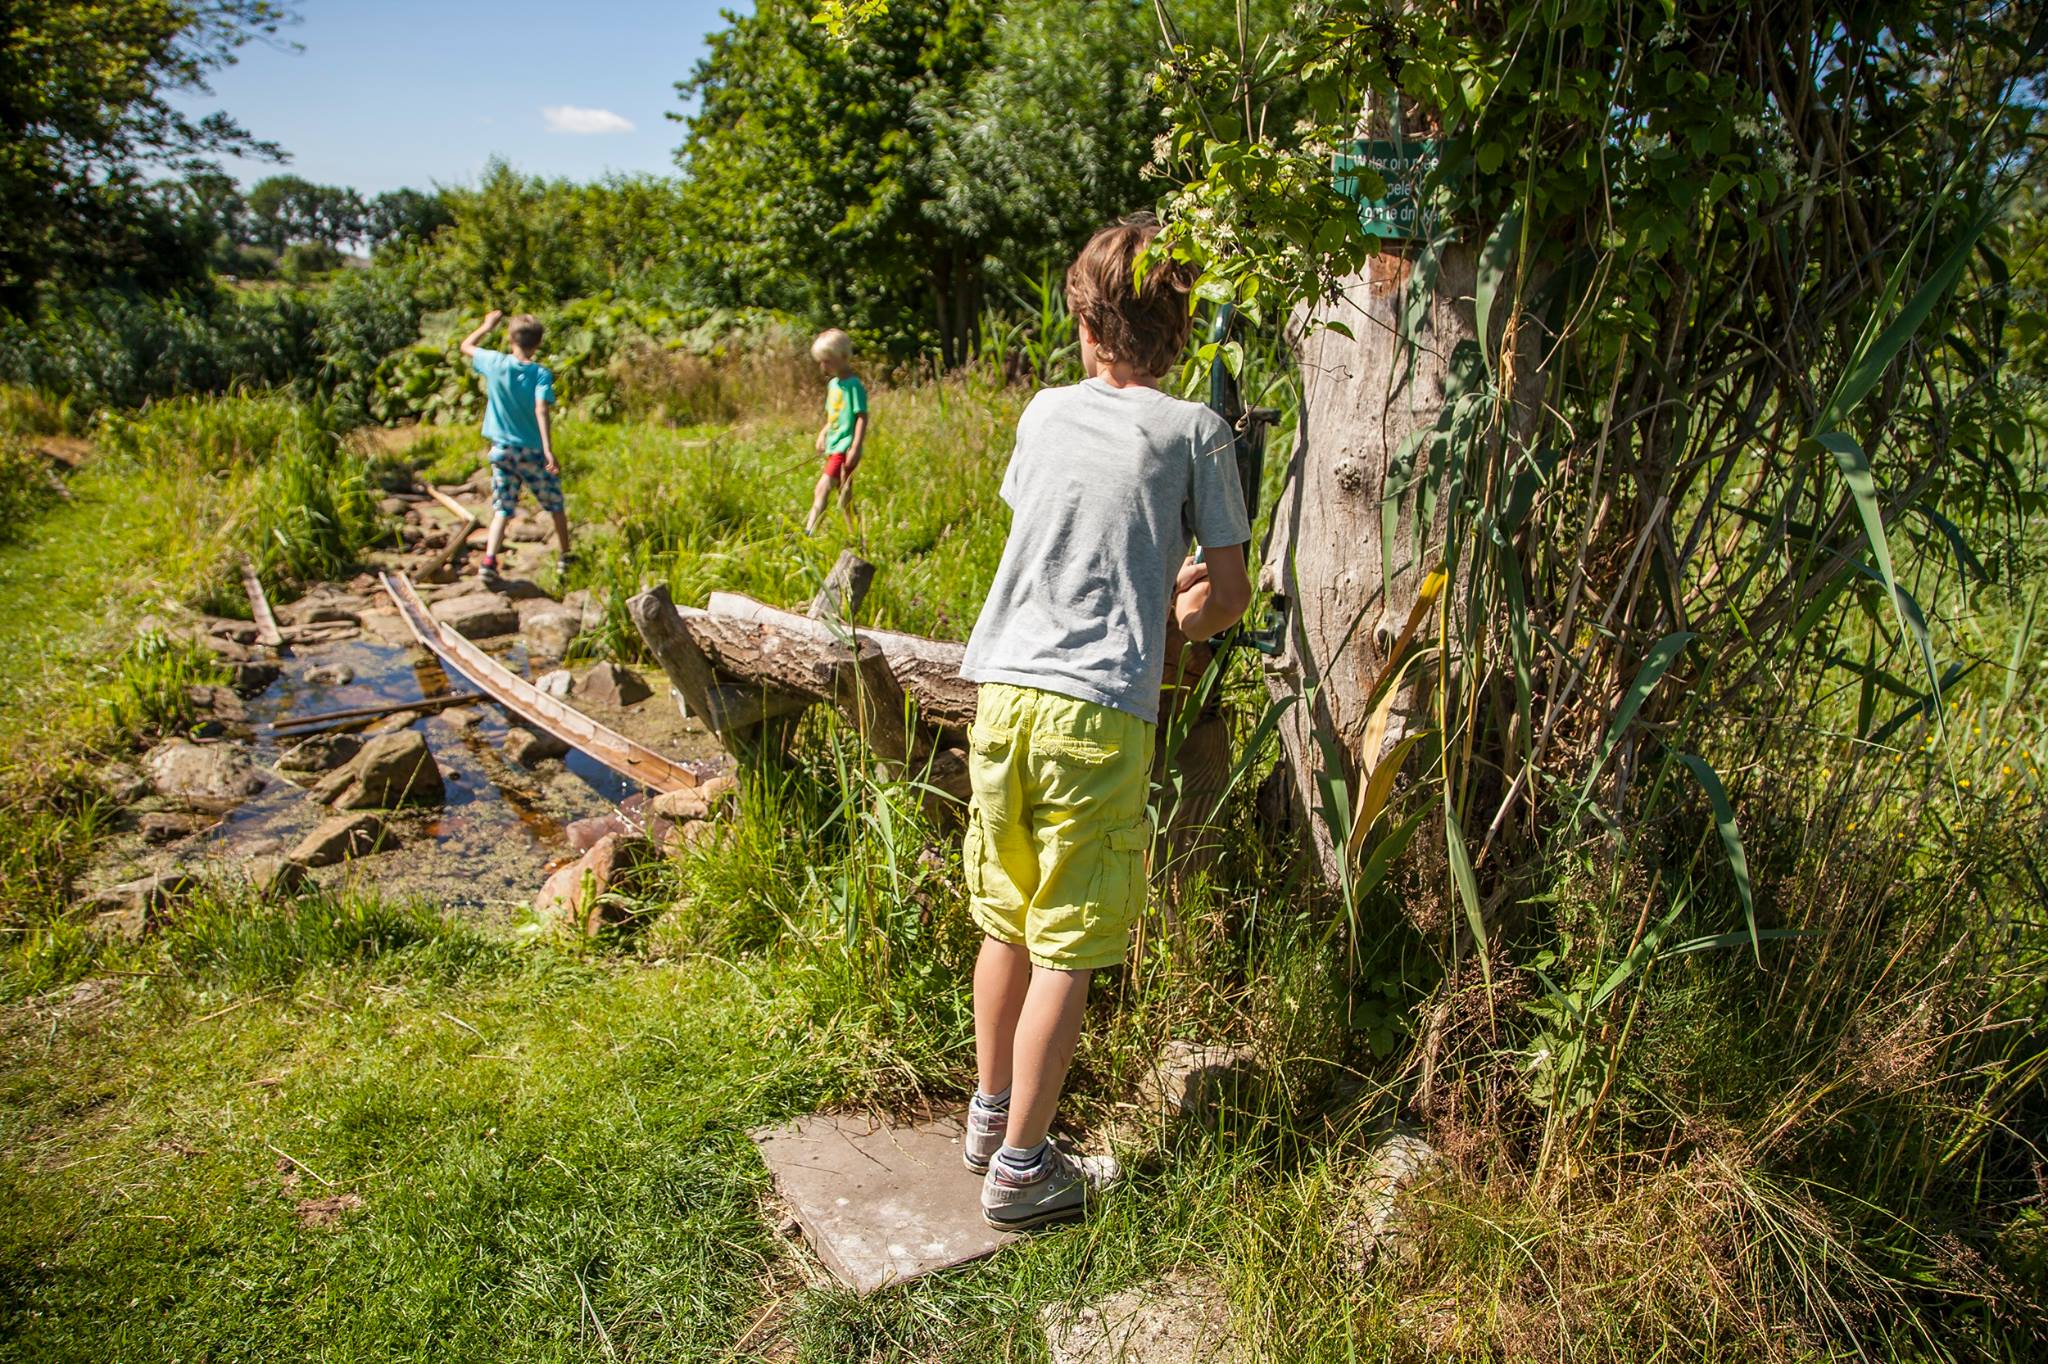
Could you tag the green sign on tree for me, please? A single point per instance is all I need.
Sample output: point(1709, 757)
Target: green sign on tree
point(1401, 165)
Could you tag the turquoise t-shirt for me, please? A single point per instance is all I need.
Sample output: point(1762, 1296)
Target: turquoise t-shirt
point(845, 399)
point(512, 386)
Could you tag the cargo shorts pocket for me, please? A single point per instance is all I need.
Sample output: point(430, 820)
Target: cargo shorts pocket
point(1119, 891)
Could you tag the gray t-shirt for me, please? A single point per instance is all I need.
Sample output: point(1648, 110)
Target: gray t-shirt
point(1106, 487)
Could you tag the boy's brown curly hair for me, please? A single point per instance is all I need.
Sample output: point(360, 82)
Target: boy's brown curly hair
point(1146, 326)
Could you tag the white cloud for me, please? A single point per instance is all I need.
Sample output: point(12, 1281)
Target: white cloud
point(570, 118)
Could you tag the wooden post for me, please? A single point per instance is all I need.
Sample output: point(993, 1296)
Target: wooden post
point(846, 586)
point(867, 694)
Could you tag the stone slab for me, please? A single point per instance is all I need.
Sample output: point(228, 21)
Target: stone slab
point(880, 1204)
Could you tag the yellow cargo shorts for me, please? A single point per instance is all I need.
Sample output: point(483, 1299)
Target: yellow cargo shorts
point(1057, 834)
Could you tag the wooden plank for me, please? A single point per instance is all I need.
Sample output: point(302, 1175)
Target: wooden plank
point(460, 512)
point(635, 762)
point(267, 633)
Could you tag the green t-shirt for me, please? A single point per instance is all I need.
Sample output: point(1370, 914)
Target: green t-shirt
point(845, 399)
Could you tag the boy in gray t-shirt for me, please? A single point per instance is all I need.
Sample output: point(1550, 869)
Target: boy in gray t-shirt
point(1110, 480)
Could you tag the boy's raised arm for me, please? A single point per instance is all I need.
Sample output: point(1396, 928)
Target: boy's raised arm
point(469, 343)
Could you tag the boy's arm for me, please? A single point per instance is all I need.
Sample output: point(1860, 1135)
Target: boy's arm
point(542, 410)
point(860, 437)
point(1210, 595)
point(469, 343)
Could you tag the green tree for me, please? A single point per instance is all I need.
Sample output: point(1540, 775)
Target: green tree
point(84, 104)
point(808, 176)
point(404, 215)
point(286, 210)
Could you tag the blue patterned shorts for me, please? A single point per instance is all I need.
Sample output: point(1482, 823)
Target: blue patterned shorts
point(514, 465)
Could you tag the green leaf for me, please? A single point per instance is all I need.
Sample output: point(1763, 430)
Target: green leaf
point(1855, 467)
point(1731, 840)
point(1490, 157)
point(1661, 656)
point(1468, 890)
point(1493, 268)
point(1381, 859)
point(1872, 358)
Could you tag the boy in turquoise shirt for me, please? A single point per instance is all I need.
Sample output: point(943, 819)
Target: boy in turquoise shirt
point(519, 395)
point(846, 425)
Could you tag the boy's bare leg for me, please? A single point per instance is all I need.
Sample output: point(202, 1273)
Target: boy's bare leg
point(819, 496)
point(495, 541)
point(1048, 1026)
point(1002, 974)
point(561, 530)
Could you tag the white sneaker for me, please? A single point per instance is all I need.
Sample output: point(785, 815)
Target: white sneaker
point(1059, 1194)
point(985, 1130)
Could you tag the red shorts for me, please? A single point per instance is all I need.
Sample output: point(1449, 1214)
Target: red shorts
point(834, 464)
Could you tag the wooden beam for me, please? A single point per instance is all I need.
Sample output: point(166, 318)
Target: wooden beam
point(729, 709)
point(928, 670)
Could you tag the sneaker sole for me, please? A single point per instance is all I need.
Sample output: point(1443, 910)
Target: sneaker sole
point(1073, 1212)
point(977, 1167)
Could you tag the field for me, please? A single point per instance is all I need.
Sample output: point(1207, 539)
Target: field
point(347, 1128)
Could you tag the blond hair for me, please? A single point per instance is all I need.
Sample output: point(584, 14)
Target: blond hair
point(832, 341)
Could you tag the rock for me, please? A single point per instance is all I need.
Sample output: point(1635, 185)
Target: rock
point(234, 631)
point(342, 838)
point(330, 675)
point(608, 684)
point(585, 834)
point(462, 717)
point(164, 826)
point(680, 806)
point(552, 631)
point(589, 609)
point(394, 506)
point(219, 702)
point(272, 877)
point(183, 770)
point(1175, 1320)
point(123, 783)
point(1373, 1224)
point(557, 683)
point(1189, 1076)
point(130, 910)
point(718, 788)
point(574, 899)
point(478, 615)
point(226, 650)
point(689, 834)
point(527, 532)
point(392, 769)
point(395, 721)
point(320, 753)
point(529, 748)
point(253, 676)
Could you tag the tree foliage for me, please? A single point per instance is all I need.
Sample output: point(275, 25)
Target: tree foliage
point(85, 103)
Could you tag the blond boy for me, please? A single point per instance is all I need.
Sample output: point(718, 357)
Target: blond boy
point(845, 432)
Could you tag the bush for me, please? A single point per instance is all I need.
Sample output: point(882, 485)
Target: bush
point(303, 261)
point(26, 487)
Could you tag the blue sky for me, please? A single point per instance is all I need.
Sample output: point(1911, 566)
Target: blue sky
point(413, 92)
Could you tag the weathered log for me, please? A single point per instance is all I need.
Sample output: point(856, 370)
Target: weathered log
point(730, 710)
point(928, 670)
point(846, 586)
point(867, 695)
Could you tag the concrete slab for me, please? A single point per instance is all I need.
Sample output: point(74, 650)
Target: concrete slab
point(880, 1204)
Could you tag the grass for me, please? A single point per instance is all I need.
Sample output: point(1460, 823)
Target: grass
point(1815, 1159)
